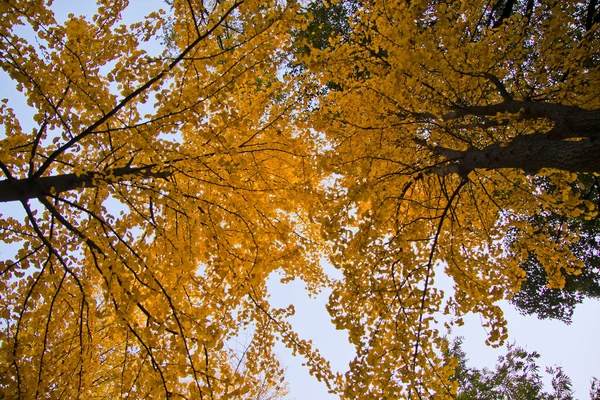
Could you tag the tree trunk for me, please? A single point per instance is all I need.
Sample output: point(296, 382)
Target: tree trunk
point(572, 144)
point(529, 153)
point(569, 121)
point(24, 189)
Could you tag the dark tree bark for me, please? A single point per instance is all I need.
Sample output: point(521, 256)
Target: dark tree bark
point(30, 188)
point(506, 13)
point(529, 153)
point(569, 121)
point(591, 18)
point(572, 144)
point(529, 9)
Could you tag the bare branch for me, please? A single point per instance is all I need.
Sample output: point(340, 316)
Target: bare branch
point(499, 86)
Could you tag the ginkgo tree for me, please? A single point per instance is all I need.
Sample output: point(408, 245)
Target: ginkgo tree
point(158, 192)
point(451, 125)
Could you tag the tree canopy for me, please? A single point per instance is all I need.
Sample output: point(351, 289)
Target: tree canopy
point(159, 192)
point(443, 117)
point(535, 297)
point(517, 376)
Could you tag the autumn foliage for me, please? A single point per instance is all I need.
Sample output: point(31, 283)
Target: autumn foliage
point(451, 125)
point(153, 193)
point(160, 191)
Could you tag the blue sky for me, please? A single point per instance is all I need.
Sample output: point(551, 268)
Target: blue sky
point(574, 347)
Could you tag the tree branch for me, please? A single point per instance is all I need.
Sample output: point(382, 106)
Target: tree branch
point(569, 121)
point(506, 13)
point(90, 129)
point(589, 17)
point(499, 86)
point(29, 188)
point(529, 153)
